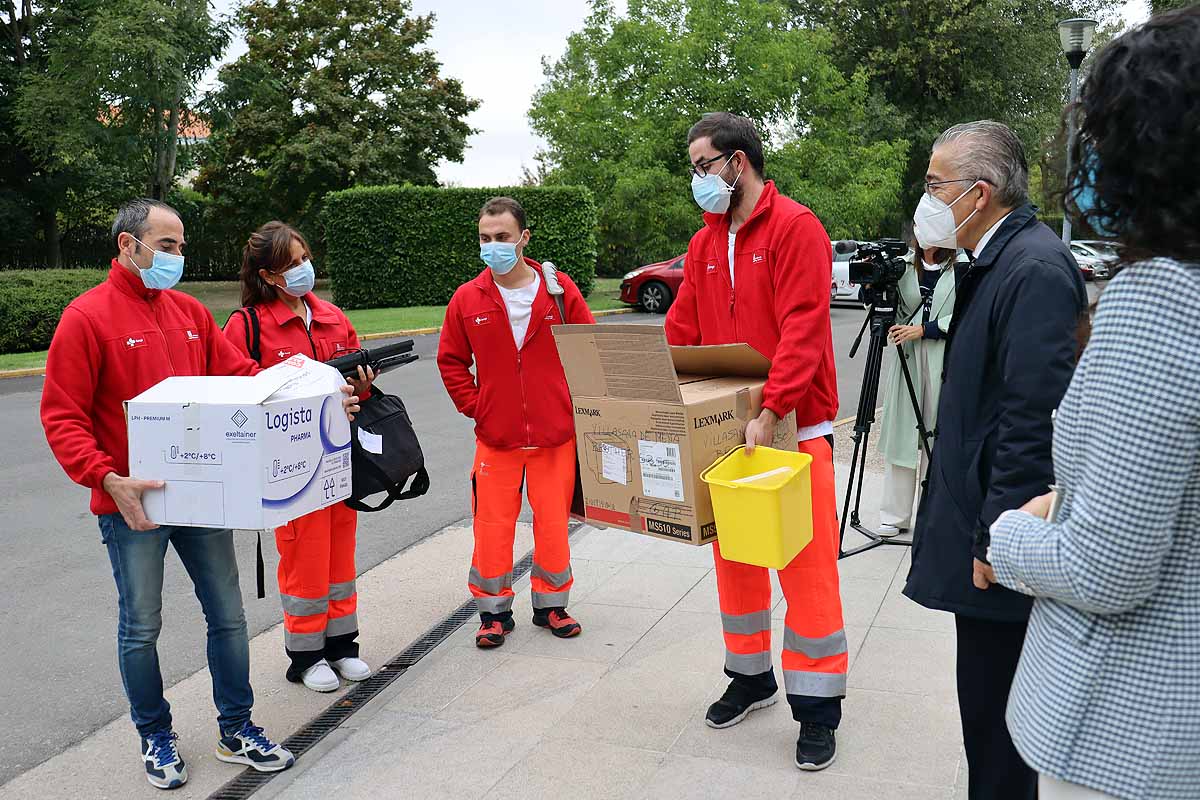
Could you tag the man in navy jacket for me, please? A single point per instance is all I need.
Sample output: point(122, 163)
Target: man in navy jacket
point(1011, 352)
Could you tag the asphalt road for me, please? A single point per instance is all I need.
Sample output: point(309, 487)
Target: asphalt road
point(56, 589)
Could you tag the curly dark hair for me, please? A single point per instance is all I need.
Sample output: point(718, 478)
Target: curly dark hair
point(1138, 149)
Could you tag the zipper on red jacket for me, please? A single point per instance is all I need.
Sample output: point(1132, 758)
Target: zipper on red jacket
point(520, 368)
point(311, 343)
point(166, 345)
point(524, 397)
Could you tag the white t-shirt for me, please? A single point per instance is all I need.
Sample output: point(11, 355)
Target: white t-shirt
point(519, 303)
point(732, 237)
point(307, 317)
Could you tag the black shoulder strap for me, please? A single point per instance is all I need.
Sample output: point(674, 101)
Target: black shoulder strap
point(259, 571)
point(253, 333)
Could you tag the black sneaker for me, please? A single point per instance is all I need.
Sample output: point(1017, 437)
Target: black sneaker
point(737, 702)
point(816, 748)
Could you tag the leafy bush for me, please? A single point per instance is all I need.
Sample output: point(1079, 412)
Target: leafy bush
point(414, 245)
point(31, 301)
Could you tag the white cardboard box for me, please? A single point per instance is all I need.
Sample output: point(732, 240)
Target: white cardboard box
point(242, 452)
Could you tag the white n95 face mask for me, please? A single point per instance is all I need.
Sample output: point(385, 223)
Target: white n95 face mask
point(933, 221)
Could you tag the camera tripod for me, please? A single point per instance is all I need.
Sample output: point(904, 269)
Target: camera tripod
point(880, 318)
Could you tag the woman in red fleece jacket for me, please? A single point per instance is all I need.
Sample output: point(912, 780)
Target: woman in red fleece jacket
point(316, 551)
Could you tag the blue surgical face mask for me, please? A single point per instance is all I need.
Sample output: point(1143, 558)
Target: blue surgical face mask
point(711, 192)
point(300, 279)
point(164, 271)
point(501, 257)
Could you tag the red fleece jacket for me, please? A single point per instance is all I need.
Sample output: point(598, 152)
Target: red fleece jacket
point(282, 334)
point(112, 343)
point(517, 398)
point(778, 302)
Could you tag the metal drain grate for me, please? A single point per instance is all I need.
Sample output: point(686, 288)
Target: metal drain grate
point(249, 781)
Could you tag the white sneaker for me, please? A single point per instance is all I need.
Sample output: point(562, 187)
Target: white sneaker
point(352, 669)
point(888, 531)
point(320, 678)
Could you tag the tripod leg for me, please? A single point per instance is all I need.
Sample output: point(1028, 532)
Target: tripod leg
point(922, 432)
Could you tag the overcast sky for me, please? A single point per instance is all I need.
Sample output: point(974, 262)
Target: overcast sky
point(496, 50)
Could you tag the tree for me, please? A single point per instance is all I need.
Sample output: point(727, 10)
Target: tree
point(616, 108)
point(118, 81)
point(935, 63)
point(91, 96)
point(1159, 6)
point(849, 181)
point(330, 94)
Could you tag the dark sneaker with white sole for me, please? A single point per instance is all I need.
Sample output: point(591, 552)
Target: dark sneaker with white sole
point(251, 747)
point(736, 704)
point(164, 766)
point(816, 748)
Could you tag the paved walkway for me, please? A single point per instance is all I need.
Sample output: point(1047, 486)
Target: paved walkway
point(615, 713)
point(618, 712)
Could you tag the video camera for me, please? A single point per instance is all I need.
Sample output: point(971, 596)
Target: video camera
point(877, 266)
point(379, 359)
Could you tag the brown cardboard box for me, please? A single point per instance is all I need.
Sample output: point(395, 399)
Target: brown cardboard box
point(649, 418)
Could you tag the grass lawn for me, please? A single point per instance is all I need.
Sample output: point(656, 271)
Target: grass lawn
point(222, 297)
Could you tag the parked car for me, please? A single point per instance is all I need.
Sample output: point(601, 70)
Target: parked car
point(1100, 257)
point(654, 286)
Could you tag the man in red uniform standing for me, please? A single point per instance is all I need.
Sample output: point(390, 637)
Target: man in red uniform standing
point(758, 272)
point(112, 343)
point(524, 421)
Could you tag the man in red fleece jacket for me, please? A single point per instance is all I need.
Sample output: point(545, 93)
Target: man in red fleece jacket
point(524, 422)
point(758, 272)
point(112, 343)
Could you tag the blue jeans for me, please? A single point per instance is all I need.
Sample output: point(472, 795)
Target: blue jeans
point(137, 562)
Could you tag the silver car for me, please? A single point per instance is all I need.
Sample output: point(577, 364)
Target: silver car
point(1100, 256)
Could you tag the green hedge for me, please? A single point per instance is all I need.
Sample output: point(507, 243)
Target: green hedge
point(31, 301)
point(414, 245)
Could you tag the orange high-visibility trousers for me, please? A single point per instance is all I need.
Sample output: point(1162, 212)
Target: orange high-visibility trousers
point(317, 588)
point(815, 657)
point(548, 473)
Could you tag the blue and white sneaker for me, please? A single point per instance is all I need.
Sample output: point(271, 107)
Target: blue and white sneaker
point(164, 766)
point(250, 746)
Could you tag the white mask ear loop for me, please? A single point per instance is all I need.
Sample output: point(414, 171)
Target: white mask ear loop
point(737, 177)
point(958, 227)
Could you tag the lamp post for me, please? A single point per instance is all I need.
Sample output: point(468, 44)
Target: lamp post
point(1075, 35)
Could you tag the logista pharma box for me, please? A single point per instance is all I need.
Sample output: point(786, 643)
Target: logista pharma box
point(242, 452)
point(649, 418)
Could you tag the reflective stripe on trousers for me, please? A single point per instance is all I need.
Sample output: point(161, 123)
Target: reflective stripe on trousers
point(548, 475)
point(815, 657)
point(316, 577)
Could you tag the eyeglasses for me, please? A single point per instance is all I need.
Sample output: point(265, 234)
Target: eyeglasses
point(930, 184)
point(700, 168)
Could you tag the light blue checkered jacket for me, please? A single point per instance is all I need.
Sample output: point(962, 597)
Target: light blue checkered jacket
point(1108, 690)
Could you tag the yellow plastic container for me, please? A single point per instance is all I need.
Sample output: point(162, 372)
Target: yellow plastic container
point(762, 504)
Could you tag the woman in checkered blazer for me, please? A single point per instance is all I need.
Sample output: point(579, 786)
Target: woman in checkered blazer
point(1106, 702)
